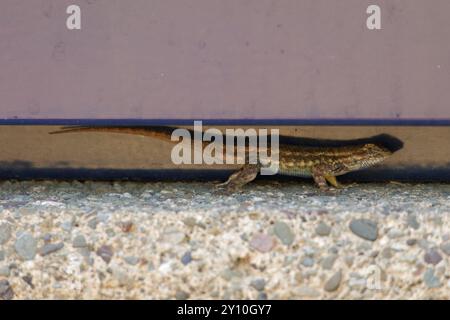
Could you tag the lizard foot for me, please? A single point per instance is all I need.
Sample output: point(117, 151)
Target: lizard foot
point(329, 191)
point(350, 185)
point(240, 178)
point(223, 189)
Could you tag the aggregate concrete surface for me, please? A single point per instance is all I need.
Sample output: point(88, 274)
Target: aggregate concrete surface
point(183, 240)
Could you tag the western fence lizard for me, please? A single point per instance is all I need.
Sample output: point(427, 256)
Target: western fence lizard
point(323, 164)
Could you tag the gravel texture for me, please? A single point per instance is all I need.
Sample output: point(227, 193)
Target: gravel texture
point(273, 240)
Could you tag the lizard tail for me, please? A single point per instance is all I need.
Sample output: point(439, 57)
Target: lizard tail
point(161, 133)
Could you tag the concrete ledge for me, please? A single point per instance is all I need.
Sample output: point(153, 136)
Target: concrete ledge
point(29, 152)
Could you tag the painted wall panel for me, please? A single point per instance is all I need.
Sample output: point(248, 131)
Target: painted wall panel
point(217, 59)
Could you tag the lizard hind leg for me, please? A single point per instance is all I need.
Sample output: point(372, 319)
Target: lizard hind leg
point(241, 177)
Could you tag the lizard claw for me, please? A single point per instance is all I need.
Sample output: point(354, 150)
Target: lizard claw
point(224, 188)
point(328, 191)
point(347, 186)
point(221, 185)
point(224, 191)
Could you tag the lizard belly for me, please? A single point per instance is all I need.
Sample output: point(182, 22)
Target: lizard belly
point(300, 172)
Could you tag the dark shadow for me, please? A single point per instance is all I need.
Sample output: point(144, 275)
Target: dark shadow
point(407, 174)
point(16, 164)
point(388, 141)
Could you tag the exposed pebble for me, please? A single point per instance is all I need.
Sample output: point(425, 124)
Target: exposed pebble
point(106, 253)
point(445, 248)
point(93, 223)
point(364, 228)
point(85, 252)
point(307, 262)
point(329, 261)
point(6, 292)
point(333, 283)
point(262, 242)
point(262, 296)
point(186, 258)
point(430, 279)
point(79, 241)
point(26, 246)
point(258, 284)
point(132, 260)
point(323, 229)
point(181, 295)
point(374, 254)
point(5, 233)
point(122, 276)
point(229, 274)
point(412, 221)
point(5, 271)
point(387, 253)
point(432, 257)
point(173, 236)
point(28, 279)
point(67, 226)
point(333, 250)
point(190, 222)
point(2, 255)
point(51, 248)
point(284, 233)
point(309, 251)
point(307, 292)
point(395, 233)
point(47, 237)
point(349, 261)
point(424, 244)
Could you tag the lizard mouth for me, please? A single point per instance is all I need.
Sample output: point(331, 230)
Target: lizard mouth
point(369, 156)
point(377, 155)
point(371, 162)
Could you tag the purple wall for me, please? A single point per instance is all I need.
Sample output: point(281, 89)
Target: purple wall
point(257, 59)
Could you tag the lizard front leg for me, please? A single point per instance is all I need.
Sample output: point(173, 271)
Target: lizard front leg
point(321, 174)
point(241, 177)
point(332, 180)
point(319, 179)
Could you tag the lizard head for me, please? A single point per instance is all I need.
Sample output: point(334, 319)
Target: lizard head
point(363, 156)
point(372, 154)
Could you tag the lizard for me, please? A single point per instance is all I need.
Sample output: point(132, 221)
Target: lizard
point(323, 164)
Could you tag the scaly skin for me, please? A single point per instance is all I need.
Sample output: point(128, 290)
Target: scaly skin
point(323, 164)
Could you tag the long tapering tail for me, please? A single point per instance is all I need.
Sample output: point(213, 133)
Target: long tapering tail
point(158, 132)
